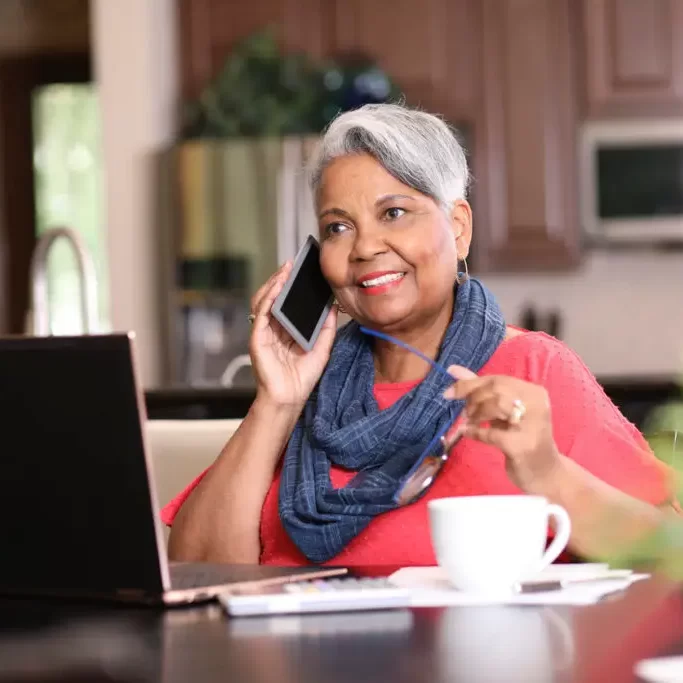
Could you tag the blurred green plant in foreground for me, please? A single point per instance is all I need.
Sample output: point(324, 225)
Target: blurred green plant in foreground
point(662, 550)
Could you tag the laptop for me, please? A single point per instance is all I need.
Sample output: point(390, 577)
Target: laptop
point(78, 509)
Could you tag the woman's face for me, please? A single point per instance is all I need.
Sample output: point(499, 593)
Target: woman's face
point(389, 252)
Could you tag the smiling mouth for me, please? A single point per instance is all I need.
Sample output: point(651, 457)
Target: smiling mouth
point(382, 280)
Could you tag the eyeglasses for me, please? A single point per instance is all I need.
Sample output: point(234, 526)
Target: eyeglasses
point(427, 467)
point(425, 470)
point(407, 347)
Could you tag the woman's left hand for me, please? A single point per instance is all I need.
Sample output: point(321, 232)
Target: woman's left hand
point(512, 415)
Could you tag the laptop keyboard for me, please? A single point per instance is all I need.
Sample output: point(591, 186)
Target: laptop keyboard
point(186, 576)
point(189, 575)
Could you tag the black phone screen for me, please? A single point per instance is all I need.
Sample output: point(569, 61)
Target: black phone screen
point(308, 295)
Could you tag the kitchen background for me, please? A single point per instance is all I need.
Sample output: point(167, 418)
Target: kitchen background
point(134, 123)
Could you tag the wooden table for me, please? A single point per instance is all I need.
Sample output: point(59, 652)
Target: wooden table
point(95, 643)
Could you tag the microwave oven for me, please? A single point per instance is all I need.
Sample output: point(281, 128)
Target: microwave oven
point(631, 181)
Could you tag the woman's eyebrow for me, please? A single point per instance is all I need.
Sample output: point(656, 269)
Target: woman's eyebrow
point(335, 212)
point(389, 197)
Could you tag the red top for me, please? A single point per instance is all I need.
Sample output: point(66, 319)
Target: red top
point(587, 427)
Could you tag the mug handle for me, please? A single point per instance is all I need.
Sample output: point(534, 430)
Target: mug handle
point(563, 529)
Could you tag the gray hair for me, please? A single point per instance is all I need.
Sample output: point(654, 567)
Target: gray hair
point(418, 149)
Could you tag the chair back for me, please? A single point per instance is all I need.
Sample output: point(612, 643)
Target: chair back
point(183, 449)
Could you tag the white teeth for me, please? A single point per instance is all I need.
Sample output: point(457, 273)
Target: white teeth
point(383, 280)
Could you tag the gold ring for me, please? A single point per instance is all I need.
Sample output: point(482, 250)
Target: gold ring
point(517, 412)
point(251, 317)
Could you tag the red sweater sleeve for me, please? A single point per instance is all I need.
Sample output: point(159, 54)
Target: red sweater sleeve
point(589, 429)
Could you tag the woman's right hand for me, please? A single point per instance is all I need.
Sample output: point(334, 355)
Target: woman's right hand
point(285, 373)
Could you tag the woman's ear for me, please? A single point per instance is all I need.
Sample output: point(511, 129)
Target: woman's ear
point(461, 220)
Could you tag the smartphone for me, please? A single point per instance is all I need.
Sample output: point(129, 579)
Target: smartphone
point(306, 299)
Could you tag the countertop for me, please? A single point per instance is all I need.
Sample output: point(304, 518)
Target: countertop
point(635, 396)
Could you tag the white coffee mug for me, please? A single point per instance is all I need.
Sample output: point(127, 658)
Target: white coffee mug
point(490, 543)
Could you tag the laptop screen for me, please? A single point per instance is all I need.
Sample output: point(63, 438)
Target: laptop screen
point(75, 506)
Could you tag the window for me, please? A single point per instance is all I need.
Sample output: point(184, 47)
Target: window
point(67, 161)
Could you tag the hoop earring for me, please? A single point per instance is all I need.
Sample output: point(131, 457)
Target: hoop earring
point(340, 308)
point(462, 277)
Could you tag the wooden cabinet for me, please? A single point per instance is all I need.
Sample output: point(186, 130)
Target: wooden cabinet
point(44, 26)
point(526, 204)
point(430, 48)
point(209, 29)
point(427, 47)
point(633, 57)
point(504, 70)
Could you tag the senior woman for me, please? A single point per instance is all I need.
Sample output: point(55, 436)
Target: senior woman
point(311, 475)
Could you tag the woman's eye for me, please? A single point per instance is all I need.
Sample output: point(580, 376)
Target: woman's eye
point(335, 229)
point(393, 213)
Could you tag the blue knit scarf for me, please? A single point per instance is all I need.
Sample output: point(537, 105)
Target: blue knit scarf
point(341, 424)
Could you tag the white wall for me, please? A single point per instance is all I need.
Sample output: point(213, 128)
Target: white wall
point(135, 57)
point(622, 312)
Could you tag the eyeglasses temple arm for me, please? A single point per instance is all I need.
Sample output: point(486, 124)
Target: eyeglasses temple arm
point(408, 347)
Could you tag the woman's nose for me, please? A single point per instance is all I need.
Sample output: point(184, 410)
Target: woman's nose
point(367, 245)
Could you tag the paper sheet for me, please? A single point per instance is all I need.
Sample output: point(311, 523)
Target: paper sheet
point(430, 587)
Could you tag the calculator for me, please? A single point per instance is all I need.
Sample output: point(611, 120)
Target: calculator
point(344, 594)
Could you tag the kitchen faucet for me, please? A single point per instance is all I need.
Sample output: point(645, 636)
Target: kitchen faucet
point(234, 366)
point(39, 286)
